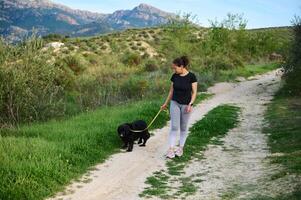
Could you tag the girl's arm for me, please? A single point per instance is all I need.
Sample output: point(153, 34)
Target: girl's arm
point(193, 97)
point(168, 97)
point(194, 92)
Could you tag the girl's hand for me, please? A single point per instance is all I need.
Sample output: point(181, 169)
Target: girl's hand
point(164, 106)
point(188, 108)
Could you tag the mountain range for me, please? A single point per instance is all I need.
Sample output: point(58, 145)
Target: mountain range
point(20, 18)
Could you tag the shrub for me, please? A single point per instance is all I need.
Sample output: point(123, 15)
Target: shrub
point(130, 58)
point(141, 48)
point(134, 87)
point(104, 47)
point(219, 62)
point(145, 55)
point(151, 65)
point(93, 59)
point(74, 63)
point(28, 83)
point(293, 66)
point(134, 47)
point(71, 48)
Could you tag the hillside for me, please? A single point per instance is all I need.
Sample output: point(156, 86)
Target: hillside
point(18, 19)
point(87, 72)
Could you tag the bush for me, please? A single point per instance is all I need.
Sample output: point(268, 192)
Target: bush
point(54, 37)
point(104, 47)
point(293, 66)
point(93, 58)
point(141, 49)
point(134, 87)
point(94, 92)
point(29, 86)
point(134, 47)
point(219, 63)
point(74, 63)
point(151, 65)
point(130, 58)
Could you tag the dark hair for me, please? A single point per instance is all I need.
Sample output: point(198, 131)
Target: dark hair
point(181, 61)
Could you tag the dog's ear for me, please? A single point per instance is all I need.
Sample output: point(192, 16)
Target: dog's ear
point(121, 131)
point(127, 130)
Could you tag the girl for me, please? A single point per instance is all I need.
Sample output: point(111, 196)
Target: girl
point(182, 94)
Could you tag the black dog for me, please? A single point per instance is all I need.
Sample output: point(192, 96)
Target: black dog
point(128, 136)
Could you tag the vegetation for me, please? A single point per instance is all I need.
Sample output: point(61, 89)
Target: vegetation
point(38, 160)
point(29, 88)
point(43, 83)
point(39, 83)
point(284, 120)
point(293, 65)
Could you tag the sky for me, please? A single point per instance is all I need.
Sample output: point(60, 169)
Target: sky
point(258, 13)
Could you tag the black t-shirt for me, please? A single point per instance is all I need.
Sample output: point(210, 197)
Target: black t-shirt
point(182, 87)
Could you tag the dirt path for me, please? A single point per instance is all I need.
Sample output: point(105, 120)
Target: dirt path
point(239, 160)
point(237, 168)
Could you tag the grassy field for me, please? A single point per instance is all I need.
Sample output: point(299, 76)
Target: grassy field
point(284, 132)
point(214, 124)
point(38, 160)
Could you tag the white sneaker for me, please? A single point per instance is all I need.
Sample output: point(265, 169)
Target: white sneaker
point(179, 152)
point(170, 153)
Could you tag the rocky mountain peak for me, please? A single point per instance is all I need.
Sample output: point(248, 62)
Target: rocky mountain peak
point(143, 7)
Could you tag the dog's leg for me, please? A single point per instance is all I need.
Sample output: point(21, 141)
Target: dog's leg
point(146, 136)
point(125, 145)
point(130, 147)
point(140, 140)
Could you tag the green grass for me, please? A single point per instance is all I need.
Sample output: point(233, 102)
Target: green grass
point(217, 122)
point(38, 160)
point(247, 71)
point(201, 97)
point(158, 185)
point(187, 187)
point(284, 118)
point(284, 134)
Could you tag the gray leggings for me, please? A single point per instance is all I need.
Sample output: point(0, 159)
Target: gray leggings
point(179, 121)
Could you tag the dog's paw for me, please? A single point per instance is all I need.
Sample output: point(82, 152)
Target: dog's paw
point(129, 150)
point(142, 145)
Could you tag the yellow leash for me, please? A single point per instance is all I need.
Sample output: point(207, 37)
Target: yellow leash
point(138, 131)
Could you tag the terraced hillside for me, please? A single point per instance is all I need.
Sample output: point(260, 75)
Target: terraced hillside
point(88, 72)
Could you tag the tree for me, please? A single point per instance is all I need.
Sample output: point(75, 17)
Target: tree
point(293, 66)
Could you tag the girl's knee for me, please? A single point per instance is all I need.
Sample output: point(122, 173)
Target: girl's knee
point(174, 128)
point(183, 129)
